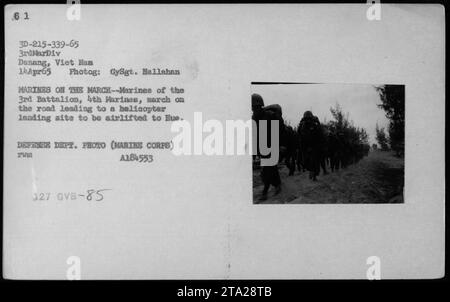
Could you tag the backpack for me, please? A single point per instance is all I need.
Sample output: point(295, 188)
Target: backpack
point(274, 112)
point(309, 126)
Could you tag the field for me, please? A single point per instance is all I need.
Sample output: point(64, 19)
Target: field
point(377, 178)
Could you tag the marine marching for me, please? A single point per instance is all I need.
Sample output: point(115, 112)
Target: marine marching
point(311, 146)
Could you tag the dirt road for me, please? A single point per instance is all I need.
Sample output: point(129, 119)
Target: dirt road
point(377, 178)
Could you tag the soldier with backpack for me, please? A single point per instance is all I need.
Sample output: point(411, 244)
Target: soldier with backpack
point(312, 141)
point(269, 174)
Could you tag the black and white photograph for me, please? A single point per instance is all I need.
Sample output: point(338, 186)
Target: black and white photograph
point(339, 143)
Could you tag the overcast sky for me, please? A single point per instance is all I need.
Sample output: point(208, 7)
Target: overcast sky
point(359, 100)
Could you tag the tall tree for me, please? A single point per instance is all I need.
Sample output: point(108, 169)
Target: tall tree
point(355, 137)
point(340, 119)
point(393, 103)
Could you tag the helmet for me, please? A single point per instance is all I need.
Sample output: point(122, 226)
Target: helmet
point(257, 100)
point(308, 114)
